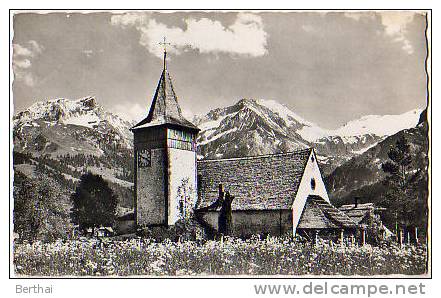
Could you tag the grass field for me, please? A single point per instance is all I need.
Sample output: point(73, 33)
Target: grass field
point(271, 256)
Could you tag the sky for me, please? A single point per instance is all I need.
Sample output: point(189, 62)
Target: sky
point(328, 67)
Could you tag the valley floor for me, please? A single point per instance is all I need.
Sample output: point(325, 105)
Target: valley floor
point(271, 256)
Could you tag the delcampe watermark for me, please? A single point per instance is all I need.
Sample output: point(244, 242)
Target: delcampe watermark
point(326, 288)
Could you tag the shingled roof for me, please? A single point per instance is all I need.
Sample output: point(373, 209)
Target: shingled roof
point(165, 108)
point(319, 214)
point(266, 182)
point(360, 211)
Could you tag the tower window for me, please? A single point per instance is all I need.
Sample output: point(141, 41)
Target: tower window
point(312, 183)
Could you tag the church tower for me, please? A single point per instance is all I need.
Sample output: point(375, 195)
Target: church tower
point(164, 159)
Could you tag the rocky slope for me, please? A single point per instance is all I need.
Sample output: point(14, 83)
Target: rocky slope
point(364, 170)
point(65, 138)
point(63, 126)
point(252, 127)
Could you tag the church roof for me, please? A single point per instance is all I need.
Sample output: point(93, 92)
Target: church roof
point(165, 108)
point(266, 182)
point(319, 214)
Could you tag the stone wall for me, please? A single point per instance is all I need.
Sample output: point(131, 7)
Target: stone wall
point(151, 190)
point(253, 222)
point(151, 181)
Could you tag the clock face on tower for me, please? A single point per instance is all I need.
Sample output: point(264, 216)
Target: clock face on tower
point(144, 158)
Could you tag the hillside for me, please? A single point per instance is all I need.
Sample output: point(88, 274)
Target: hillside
point(257, 126)
point(65, 138)
point(362, 175)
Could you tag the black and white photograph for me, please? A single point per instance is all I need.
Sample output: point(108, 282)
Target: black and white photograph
point(220, 143)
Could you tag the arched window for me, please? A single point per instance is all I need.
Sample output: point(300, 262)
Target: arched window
point(312, 183)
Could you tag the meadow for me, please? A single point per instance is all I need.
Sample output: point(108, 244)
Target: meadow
point(230, 256)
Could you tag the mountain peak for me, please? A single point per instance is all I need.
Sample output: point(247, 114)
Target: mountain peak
point(61, 114)
point(380, 125)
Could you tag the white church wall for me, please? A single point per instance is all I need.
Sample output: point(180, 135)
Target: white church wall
point(312, 171)
point(182, 166)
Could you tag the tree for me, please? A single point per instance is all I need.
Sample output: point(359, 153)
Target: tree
point(94, 203)
point(185, 199)
point(399, 164)
point(406, 194)
point(39, 213)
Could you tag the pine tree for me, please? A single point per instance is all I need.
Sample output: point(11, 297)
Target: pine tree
point(404, 197)
point(94, 203)
point(399, 165)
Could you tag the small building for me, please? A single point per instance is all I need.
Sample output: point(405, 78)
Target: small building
point(99, 232)
point(275, 194)
point(104, 232)
point(367, 217)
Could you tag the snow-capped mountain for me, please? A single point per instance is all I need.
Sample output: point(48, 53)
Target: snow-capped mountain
point(61, 126)
point(380, 125)
point(65, 138)
point(257, 126)
point(250, 127)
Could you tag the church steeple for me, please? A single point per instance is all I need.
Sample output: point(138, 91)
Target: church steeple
point(164, 151)
point(165, 108)
point(164, 44)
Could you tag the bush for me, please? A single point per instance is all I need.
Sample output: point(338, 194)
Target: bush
point(94, 203)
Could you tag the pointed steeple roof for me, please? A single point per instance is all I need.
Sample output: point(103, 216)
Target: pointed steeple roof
point(165, 108)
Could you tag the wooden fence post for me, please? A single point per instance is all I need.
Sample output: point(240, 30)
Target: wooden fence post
point(363, 237)
point(401, 237)
point(316, 238)
point(342, 237)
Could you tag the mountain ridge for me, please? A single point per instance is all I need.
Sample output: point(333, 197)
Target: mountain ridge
point(259, 126)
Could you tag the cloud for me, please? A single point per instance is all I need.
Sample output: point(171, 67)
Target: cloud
point(36, 48)
point(246, 36)
point(357, 16)
point(135, 112)
point(25, 63)
point(188, 114)
point(22, 61)
point(394, 24)
point(21, 51)
point(88, 53)
point(308, 28)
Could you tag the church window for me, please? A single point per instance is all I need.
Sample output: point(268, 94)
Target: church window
point(312, 183)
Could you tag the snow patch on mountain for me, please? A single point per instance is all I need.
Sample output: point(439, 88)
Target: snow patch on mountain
point(379, 125)
point(308, 131)
point(83, 112)
point(88, 120)
point(260, 126)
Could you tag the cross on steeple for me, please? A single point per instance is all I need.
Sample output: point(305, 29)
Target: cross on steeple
point(164, 43)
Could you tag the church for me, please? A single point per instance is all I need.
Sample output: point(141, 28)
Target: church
point(277, 194)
